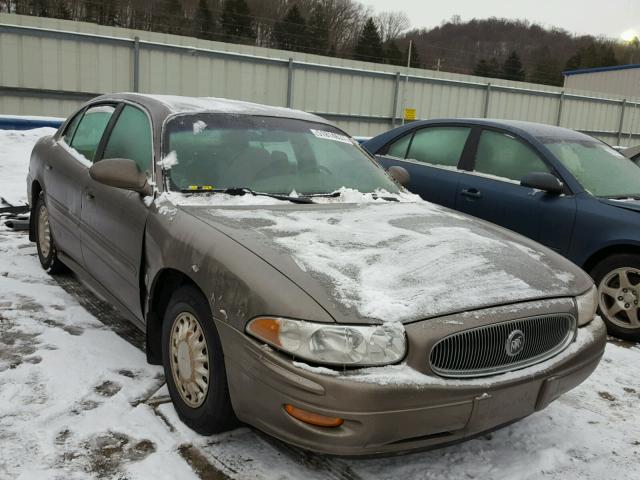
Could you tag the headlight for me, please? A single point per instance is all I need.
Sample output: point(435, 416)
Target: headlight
point(587, 304)
point(333, 344)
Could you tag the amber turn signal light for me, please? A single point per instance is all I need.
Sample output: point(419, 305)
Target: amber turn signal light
point(313, 418)
point(267, 329)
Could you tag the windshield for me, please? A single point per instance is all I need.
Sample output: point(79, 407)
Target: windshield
point(266, 154)
point(601, 170)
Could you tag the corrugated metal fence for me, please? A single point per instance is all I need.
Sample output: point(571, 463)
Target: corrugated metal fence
point(48, 67)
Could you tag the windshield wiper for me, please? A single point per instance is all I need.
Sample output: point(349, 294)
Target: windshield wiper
point(239, 191)
point(337, 193)
point(634, 196)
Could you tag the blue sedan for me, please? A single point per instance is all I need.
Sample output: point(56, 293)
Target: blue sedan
point(566, 190)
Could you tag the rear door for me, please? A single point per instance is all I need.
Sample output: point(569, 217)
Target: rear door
point(431, 155)
point(114, 219)
point(492, 191)
point(66, 173)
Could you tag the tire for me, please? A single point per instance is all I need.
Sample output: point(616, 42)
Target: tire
point(618, 280)
point(206, 410)
point(47, 251)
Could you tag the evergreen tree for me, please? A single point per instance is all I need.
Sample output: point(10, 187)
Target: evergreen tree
point(291, 32)
point(512, 68)
point(369, 46)
point(607, 56)
point(393, 55)
point(236, 21)
point(62, 10)
point(482, 68)
point(40, 8)
point(203, 26)
point(415, 61)
point(592, 55)
point(548, 73)
point(318, 31)
point(546, 68)
point(173, 17)
point(574, 62)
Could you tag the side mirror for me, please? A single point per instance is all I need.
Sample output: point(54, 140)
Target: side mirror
point(120, 173)
point(399, 174)
point(543, 181)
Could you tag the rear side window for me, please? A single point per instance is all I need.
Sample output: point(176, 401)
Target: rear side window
point(398, 148)
point(71, 128)
point(503, 155)
point(131, 138)
point(439, 145)
point(90, 130)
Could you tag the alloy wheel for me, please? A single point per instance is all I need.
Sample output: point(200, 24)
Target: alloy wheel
point(619, 297)
point(189, 359)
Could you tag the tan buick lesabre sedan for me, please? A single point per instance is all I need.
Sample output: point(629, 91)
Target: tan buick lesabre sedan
point(285, 280)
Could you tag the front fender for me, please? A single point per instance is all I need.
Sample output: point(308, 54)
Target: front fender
point(238, 284)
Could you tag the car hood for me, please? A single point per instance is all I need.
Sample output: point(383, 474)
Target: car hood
point(395, 261)
point(626, 204)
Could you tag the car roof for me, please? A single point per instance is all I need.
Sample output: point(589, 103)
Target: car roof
point(531, 130)
point(166, 105)
point(538, 130)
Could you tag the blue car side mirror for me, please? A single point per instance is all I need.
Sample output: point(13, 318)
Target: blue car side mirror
point(543, 181)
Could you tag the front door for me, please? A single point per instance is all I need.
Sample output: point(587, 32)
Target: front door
point(493, 191)
point(114, 219)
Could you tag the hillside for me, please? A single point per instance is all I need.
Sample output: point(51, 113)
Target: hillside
point(494, 47)
point(543, 52)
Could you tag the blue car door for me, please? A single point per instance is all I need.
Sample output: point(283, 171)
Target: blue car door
point(492, 191)
point(431, 155)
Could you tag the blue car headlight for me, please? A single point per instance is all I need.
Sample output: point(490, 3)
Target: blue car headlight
point(587, 304)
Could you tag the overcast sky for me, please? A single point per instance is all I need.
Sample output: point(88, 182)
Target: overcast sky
point(596, 17)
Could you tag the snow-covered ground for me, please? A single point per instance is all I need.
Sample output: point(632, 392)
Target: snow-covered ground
point(79, 401)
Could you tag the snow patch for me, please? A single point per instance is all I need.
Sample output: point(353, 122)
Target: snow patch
point(198, 127)
point(15, 151)
point(395, 260)
point(320, 370)
point(171, 160)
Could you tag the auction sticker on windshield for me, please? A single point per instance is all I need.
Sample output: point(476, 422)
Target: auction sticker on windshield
point(331, 136)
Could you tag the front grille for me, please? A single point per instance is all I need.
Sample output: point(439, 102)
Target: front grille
point(484, 351)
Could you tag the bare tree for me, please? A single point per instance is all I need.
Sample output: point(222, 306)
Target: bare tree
point(391, 25)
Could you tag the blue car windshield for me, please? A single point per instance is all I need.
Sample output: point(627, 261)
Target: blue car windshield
point(266, 154)
point(601, 170)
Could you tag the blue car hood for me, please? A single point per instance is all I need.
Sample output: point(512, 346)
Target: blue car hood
point(626, 204)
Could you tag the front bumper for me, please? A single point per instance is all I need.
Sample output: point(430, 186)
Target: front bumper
point(400, 411)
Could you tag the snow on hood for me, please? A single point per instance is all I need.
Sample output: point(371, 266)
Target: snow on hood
point(396, 261)
point(346, 195)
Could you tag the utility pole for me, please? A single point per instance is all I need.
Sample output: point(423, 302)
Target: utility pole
point(406, 81)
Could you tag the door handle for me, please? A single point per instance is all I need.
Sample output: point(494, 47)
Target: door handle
point(48, 167)
point(471, 192)
point(90, 195)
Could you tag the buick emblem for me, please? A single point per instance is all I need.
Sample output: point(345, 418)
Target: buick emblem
point(515, 343)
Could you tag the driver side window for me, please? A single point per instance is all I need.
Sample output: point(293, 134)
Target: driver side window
point(502, 155)
point(131, 138)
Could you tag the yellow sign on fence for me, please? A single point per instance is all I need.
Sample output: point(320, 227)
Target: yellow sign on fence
point(409, 113)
